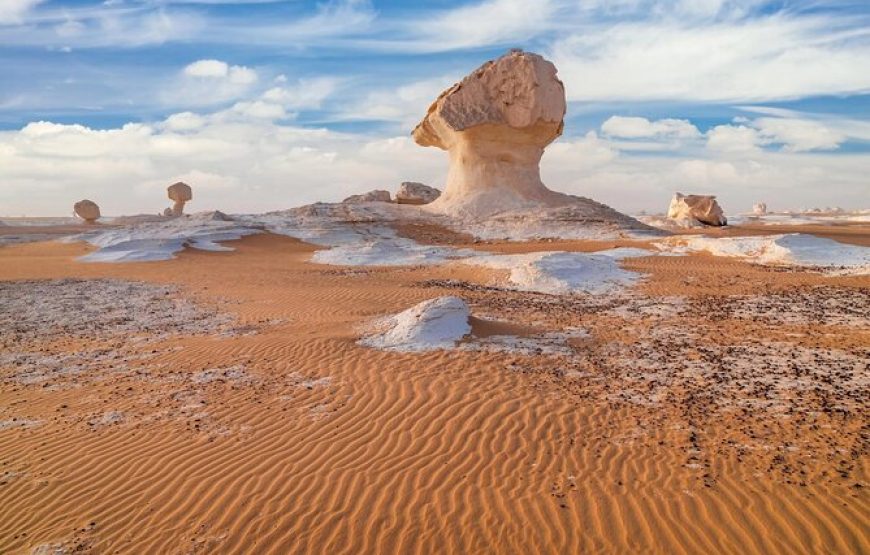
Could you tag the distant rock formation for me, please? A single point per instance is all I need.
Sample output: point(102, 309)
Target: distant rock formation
point(689, 209)
point(378, 195)
point(759, 209)
point(411, 192)
point(495, 124)
point(87, 210)
point(178, 193)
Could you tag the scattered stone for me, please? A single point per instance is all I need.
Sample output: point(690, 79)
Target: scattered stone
point(411, 192)
point(378, 195)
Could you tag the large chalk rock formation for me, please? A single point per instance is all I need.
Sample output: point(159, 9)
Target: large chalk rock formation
point(690, 209)
point(495, 124)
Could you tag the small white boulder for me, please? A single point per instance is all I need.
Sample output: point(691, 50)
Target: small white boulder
point(411, 192)
point(431, 325)
point(690, 209)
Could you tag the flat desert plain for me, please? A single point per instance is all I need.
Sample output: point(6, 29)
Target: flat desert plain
point(219, 402)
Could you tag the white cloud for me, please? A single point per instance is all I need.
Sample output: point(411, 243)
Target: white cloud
point(734, 139)
point(14, 11)
point(207, 68)
point(209, 82)
point(791, 134)
point(260, 110)
point(306, 94)
point(642, 128)
point(404, 104)
point(482, 24)
point(216, 69)
point(771, 57)
point(184, 121)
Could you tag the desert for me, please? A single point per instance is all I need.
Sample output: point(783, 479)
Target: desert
point(480, 365)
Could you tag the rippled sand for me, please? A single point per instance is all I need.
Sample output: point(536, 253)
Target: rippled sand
point(714, 407)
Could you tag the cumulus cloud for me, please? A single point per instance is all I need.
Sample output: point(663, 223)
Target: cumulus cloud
point(734, 139)
point(791, 134)
point(216, 69)
point(642, 128)
point(799, 135)
point(209, 82)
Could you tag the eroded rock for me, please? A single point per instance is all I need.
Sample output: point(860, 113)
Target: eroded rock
point(495, 124)
point(378, 195)
point(692, 209)
point(411, 192)
point(87, 210)
point(179, 193)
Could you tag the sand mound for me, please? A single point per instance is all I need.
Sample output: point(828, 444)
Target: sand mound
point(434, 324)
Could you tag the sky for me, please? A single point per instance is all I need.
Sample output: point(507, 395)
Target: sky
point(267, 104)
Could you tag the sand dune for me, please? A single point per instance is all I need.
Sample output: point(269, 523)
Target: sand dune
point(292, 438)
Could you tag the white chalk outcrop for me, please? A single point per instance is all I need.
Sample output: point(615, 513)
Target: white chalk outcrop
point(759, 209)
point(378, 195)
point(179, 193)
point(87, 210)
point(151, 241)
point(411, 192)
point(494, 124)
point(793, 249)
point(689, 210)
point(438, 323)
point(562, 273)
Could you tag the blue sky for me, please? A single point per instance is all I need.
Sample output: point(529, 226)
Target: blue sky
point(268, 104)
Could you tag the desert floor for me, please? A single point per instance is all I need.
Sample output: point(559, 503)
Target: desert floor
point(718, 407)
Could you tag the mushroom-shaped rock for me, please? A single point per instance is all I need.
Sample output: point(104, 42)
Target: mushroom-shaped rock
point(495, 124)
point(411, 192)
point(179, 193)
point(378, 195)
point(759, 209)
point(87, 210)
point(689, 209)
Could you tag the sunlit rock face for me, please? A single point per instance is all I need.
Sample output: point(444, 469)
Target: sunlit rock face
point(495, 124)
point(696, 209)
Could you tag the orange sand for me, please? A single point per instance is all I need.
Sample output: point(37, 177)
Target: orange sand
point(446, 452)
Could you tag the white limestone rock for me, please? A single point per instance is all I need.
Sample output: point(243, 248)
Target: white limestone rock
point(688, 210)
point(438, 323)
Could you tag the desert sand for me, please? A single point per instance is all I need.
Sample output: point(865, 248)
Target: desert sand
point(255, 422)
